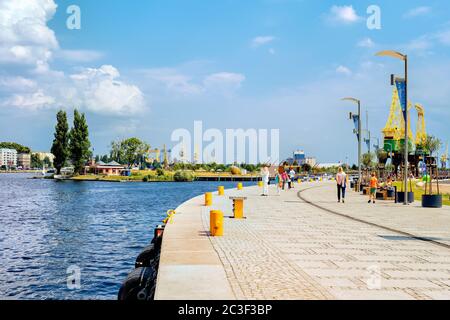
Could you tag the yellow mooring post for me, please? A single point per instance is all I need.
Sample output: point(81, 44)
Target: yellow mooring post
point(208, 199)
point(239, 186)
point(216, 223)
point(238, 207)
point(221, 190)
point(299, 181)
point(260, 184)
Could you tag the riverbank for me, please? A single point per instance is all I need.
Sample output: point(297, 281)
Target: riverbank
point(302, 244)
point(167, 176)
point(20, 171)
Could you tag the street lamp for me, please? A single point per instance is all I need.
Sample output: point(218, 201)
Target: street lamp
point(404, 58)
point(358, 102)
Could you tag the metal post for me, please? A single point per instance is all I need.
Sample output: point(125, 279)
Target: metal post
point(359, 146)
point(406, 132)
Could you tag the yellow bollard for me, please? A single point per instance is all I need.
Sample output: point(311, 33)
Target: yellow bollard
point(299, 181)
point(238, 207)
point(208, 199)
point(239, 186)
point(260, 184)
point(216, 223)
point(221, 190)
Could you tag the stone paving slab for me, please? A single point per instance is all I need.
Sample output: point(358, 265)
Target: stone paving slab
point(287, 248)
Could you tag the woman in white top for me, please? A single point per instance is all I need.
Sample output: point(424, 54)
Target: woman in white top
point(265, 174)
point(341, 180)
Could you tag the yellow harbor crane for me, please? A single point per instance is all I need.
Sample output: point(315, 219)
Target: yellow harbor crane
point(394, 130)
point(153, 154)
point(444, 157)
point(421, 132)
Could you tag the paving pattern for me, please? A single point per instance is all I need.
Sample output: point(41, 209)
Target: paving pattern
point(288, 249)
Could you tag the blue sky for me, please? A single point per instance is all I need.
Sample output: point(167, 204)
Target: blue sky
point(145, 68)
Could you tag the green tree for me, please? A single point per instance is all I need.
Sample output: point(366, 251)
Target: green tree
point(12, 145)
point(79, 142)
point(129, 151)
point(306, 167)
point(36, 162)
point(47, 162)
point(61, 141)
point(368, 160)
point(432, 145)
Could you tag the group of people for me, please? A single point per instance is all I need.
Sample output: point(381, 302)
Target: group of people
point(283, 178)
point(342, 182)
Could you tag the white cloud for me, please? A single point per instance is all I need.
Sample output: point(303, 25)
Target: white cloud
point(25, 37)
point(16, 84)
point(419, 11)
point(31, 101)
point(343, 70)
point(343, 15)
point(175, 82)
point(272, 51)
point(99, 90)
point(261, 41)
point(79, 55)
point(366, 43)
point(224, 82)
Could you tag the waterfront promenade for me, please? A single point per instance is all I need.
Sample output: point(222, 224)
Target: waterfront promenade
point(304, 245)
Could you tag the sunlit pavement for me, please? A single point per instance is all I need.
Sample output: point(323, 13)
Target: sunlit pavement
point(307, 246)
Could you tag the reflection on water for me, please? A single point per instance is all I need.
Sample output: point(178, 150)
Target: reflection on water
point(48, 226)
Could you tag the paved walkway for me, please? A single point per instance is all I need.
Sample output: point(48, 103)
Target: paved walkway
point(289, 247)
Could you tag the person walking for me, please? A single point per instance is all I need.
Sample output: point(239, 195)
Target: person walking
point(285, 178)
point(265, 174)
point(292, 174)
point(278, 180)
point(341, 180)
point(373, 188)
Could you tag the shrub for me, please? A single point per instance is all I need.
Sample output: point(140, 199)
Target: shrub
point(146, 178)
point(159, 172)
point(183, 176)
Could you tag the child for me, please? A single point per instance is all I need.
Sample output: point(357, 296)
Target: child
point(373, 188)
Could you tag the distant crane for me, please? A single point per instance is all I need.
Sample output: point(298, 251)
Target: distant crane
point(444, 158)
point(421, 132)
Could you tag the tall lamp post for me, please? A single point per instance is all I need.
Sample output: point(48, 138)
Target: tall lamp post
point(358, 102)
point(404, 58)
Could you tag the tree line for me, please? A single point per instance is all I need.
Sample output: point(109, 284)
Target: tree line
point(12, 145)
point(71, 145)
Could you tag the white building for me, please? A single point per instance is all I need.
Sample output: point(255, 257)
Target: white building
point(8, 157)
point(329, 165)
point(311, 161)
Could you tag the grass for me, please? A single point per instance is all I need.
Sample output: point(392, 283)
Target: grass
point(418, 192)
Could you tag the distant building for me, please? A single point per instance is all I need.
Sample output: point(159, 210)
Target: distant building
point(109, 169)
point(299, 157)
point(329, 165)
point(24, 160)
point(43, 155)
point(311, 161)
point(8, 157)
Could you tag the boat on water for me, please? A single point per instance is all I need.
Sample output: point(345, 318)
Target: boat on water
point(65, 174)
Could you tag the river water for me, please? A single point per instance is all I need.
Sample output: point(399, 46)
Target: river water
point(49, 228)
